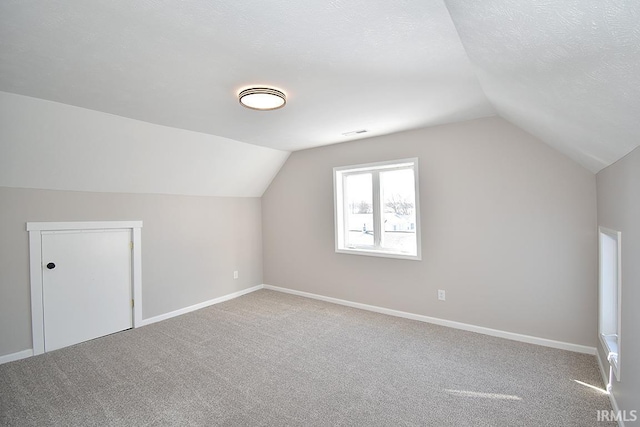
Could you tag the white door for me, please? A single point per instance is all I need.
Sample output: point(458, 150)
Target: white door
point(86, 283)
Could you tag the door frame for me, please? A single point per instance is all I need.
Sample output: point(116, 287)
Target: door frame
point(35, 230)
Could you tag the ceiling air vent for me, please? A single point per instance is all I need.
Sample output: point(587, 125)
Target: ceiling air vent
point(354, 132)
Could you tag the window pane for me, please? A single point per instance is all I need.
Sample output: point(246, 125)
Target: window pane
point(399, 211)
point(359, 210)
point(608, 284)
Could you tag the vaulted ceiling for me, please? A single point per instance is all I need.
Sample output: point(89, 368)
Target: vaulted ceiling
point(567, 71)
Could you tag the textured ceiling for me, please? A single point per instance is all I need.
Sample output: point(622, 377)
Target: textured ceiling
point(567, 71)
point(346, 65)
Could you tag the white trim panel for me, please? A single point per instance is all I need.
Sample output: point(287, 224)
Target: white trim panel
point(37, 311)
point(16, 356)
point(136, 274)
point(442, 322)
point(85, 225)
point(199, 305)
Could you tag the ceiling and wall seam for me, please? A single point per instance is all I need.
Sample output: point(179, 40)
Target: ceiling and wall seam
point(473, 66)
point(566, 72)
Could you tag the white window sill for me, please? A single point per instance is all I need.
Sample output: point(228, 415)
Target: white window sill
point(610, 345)
point(377, 253)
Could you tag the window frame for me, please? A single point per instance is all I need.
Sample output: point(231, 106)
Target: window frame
point(339, 193)
point(610, 341)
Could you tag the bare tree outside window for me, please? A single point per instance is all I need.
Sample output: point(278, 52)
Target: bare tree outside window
point(361, 207)
point(399, 205)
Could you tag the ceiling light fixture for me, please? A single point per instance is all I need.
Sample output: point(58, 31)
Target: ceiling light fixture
point(262, 98)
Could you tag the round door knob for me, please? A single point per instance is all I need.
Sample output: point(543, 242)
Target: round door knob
point(51, 266)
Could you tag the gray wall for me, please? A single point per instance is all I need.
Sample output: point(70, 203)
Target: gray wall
point(508, 230)
point(619, 209)
point(190, 247)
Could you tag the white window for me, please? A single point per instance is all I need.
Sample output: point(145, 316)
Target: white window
point(377, 209)
point(609, 296)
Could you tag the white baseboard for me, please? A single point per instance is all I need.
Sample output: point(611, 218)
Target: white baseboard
point(16, 356)
point(199, 306)
point(442, 322)
point(605, 380)
point(28, 353)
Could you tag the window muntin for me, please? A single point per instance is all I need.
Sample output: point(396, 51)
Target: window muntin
point(377, 209)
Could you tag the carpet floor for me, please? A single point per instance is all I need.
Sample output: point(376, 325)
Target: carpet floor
point(273, 359)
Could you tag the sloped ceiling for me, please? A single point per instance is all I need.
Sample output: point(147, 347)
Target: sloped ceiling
point(48, 145)
point(379, 65)
point(567, 71)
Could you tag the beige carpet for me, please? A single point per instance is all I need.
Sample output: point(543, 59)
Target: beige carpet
point(272, 359)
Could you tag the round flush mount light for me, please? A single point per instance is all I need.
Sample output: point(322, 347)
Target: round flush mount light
point(262, 98)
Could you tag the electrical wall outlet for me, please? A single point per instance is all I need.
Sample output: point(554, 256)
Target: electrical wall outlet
point(235, 274)
point(441, 295)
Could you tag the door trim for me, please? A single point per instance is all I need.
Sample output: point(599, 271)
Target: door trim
point(35, 230)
